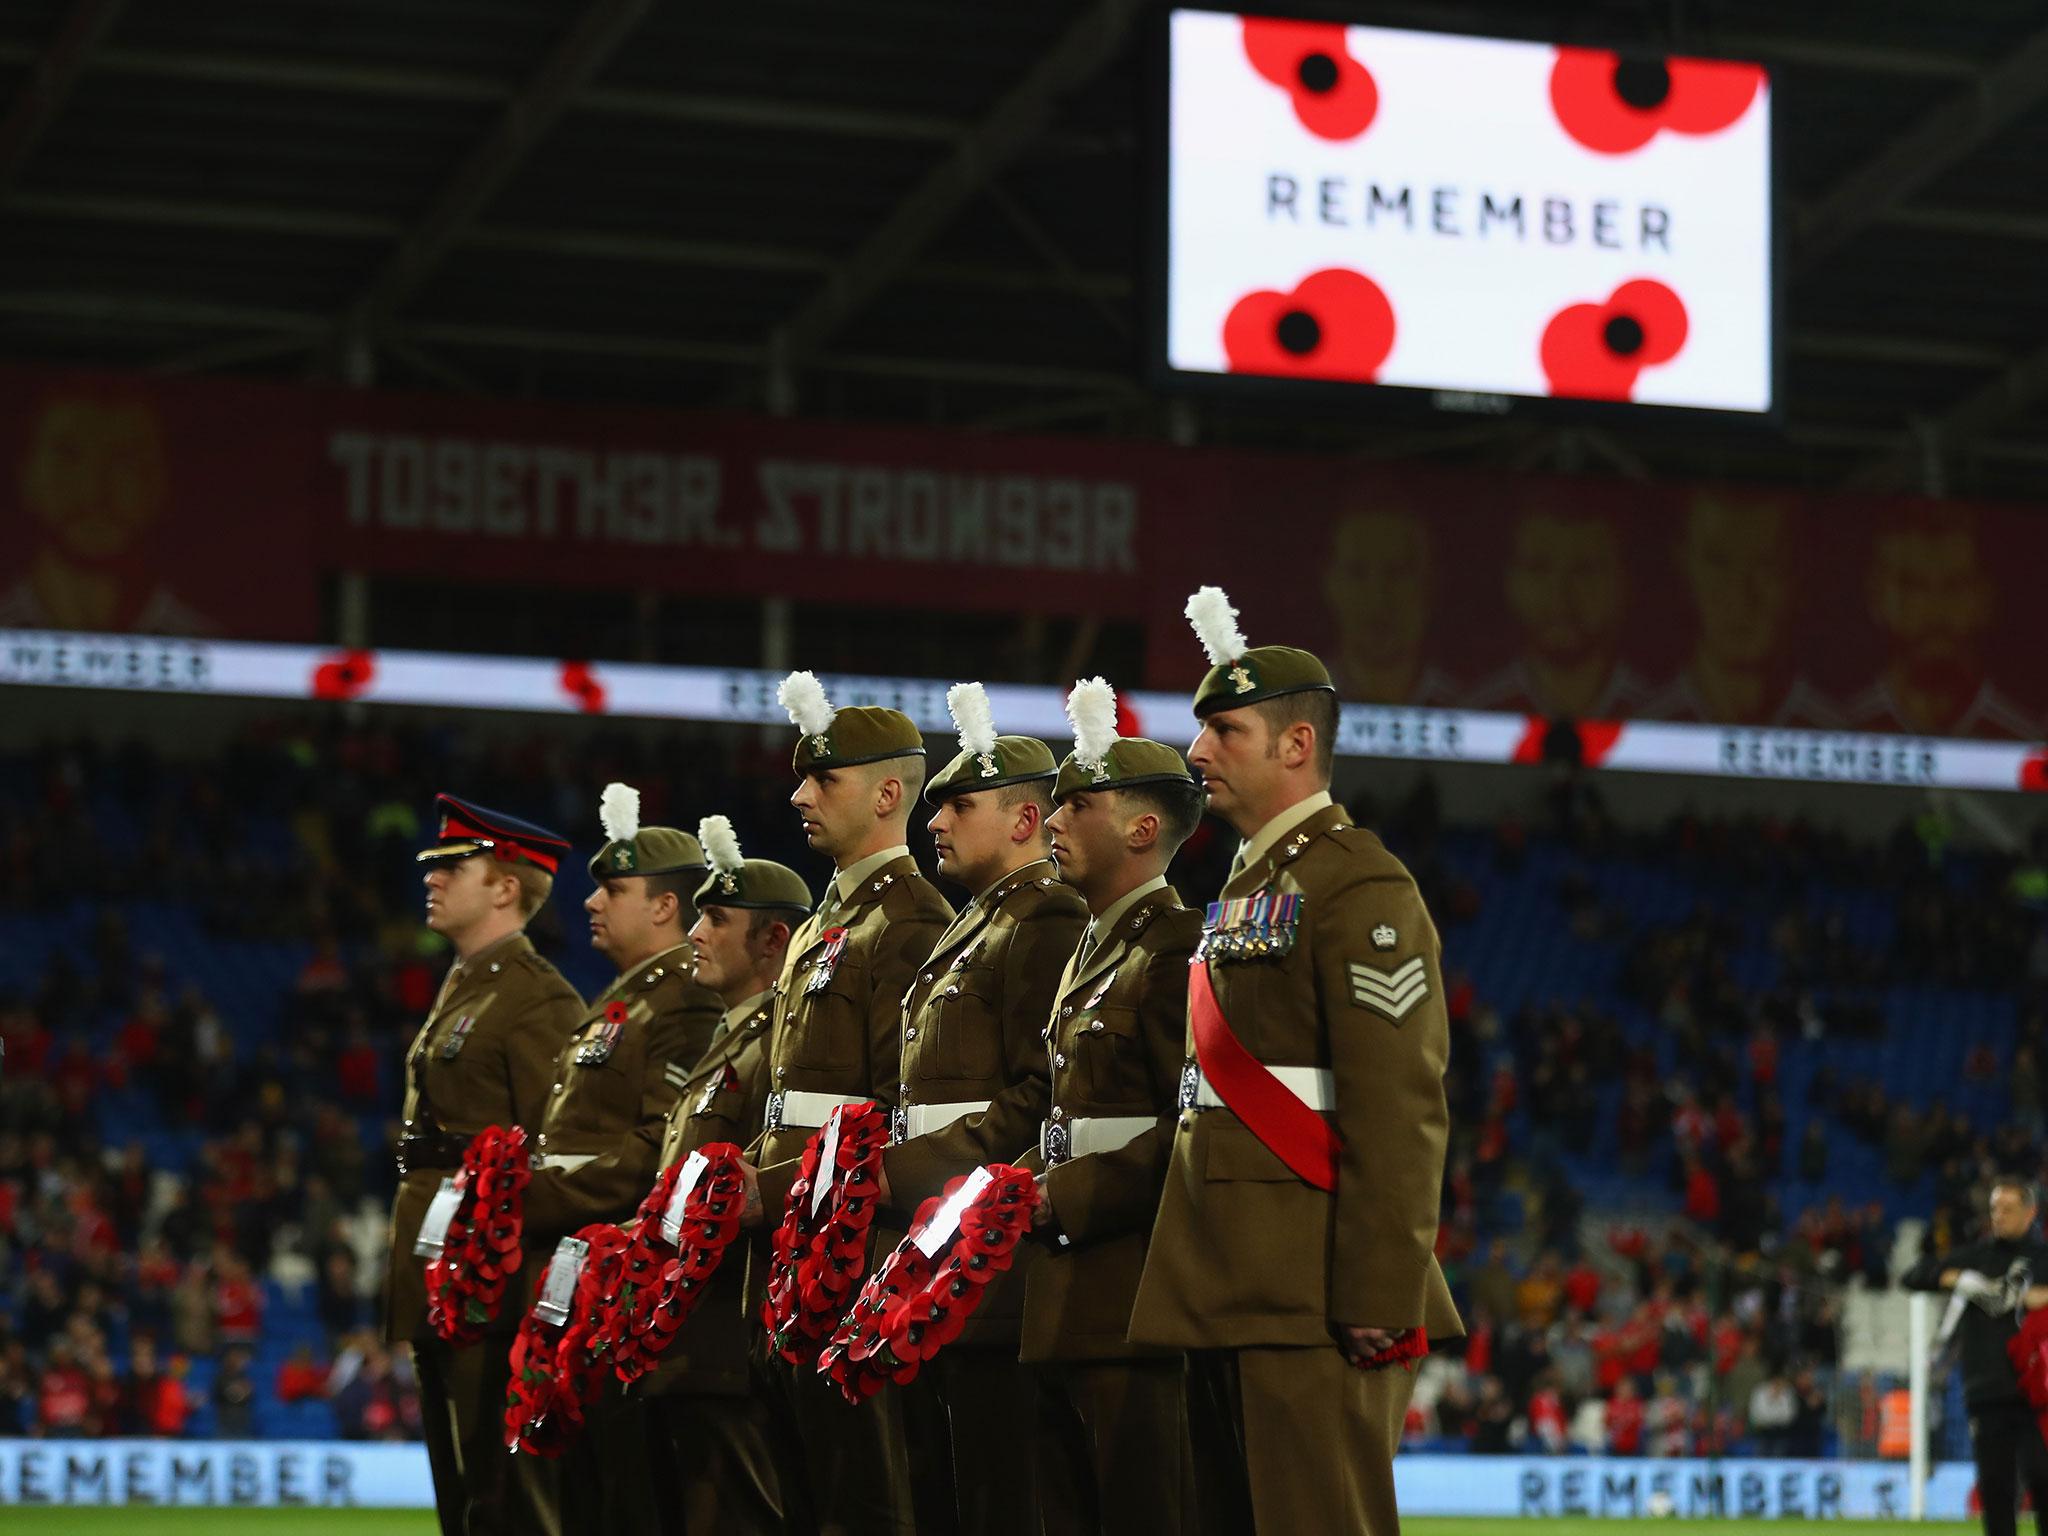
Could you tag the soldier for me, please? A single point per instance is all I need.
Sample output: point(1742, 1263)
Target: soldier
point(1113, 1457)
point(835, 1040)
point(485, 1056)
point(974, 1091)
point(707, 1428)
point(615, 1080)
point(1292, 1256)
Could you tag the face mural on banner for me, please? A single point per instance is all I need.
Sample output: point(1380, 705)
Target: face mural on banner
point(1366, 205)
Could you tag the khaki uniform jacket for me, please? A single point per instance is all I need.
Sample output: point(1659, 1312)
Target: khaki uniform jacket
point(1244, 1253)
point(845, 1037)
point(485, 1056)
point(721, 1102)
point(974, 1028)
point(1116, 1035)
point(612, 1110)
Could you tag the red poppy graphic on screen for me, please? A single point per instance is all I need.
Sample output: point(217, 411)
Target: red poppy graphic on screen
point(580, 682)
point(1595, 351)
point(1333, 93)
point(1336, 324)
point(1614, 105)
point(344, 676)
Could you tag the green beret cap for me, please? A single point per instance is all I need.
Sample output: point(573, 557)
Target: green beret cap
point(650, 851)
point(1015, 760)
point(1132, 760)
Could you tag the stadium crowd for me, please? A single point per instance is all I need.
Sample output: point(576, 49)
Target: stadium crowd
point(212, 968)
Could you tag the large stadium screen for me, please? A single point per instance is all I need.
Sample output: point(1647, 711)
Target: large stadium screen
point(1481, 218)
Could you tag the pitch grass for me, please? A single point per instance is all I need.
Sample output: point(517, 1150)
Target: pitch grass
point(420, 1522)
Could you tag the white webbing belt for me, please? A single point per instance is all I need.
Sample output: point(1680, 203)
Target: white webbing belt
point(804, 1110)
point(568, 1162)
point(920, 1118)
point(1314, 1086)
point(1105, 1133)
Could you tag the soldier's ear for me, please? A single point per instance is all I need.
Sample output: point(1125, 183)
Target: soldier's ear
point(1143, 831)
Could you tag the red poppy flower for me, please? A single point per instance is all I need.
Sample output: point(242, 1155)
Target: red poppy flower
point(344, 676)
point(615, 1013)
point(1614, 105)
point(1335, 324)
point(1333, 94)
point(1595, 351)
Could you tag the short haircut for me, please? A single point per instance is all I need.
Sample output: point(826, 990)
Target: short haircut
point(535, 884)
point(1176, 802)
point(681, 884)
point(1036, 792)
point(2024, 1188)
point(758, 919)
point(910, 768)
point(1315, 706)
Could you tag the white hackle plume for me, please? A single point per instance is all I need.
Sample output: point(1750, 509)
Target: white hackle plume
point(1091, 710)
point(619, 812)
point(721, 844)
point(1215, 622)
point(973, 718)
point(804, 697)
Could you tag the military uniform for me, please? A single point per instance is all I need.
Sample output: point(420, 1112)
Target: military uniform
point(707, 1427)
point(1324, 963)
point(836, 1039)
point(1112, 1443)
point(615, 1080)
point(484, 1056)
point(974, 1091)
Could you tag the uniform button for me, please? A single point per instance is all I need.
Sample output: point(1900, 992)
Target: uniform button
point(558, 1087)
point(495, 967)
point(903, 1092)
point(1067, 1012)
point(1187, 1120)
point(1060, 1060)
point(1058, 1113)
point(910, 1033)
point(1096, 1027)
point(781, 1072)
point(926, 978)
point(952, 991)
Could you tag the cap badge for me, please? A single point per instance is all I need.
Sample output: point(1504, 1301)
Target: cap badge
point(821, 745)
point(728, 883)
point(988, 765)
point(1241, 680)
point(622, 856)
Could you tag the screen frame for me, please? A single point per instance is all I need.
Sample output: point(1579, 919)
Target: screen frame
point(1411, 401)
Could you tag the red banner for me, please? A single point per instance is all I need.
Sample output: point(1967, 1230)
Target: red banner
point(206, 506)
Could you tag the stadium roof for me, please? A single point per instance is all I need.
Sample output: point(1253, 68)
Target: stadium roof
point(927, 210)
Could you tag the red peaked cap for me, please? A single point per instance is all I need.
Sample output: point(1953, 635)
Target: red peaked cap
point(467, 828)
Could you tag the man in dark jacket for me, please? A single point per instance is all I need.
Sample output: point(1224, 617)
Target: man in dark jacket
point(1994, 1283)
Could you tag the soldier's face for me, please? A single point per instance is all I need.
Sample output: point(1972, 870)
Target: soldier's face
point(621, 916)
point(461, 895)
point(1087, 836)
point(2012, 1213)
point(971, 835)
point(1233, 752)
point(837, 807)
point(721, 939)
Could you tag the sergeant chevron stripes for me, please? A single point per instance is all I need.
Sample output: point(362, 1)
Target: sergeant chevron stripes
point(1392, 993)
point(676, 1075)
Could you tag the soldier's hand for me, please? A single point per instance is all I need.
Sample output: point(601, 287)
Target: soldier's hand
point(1041, 1213)
point(750, 1208)
point(882, 1191)
point(1364, 1343)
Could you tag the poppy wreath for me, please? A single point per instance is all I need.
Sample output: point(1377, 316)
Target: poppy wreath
point(558, 1370)
point(912, 1307)
point(1411, 1344)
point(1596, 351)
point(1333, 94)
point(481, 1252)
point(659, 1286)
point(1334, 324)
point(816, 1262)
point(1614, 105)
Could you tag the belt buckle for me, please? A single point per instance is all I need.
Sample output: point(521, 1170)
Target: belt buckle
point(1053, 1142)
point(1190, 1085)
point(899, 1125)
point(772, 1120)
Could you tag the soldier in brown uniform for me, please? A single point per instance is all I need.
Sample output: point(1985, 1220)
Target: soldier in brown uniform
point(707, 1427)
point(485, 1056)
point(1293, 1253)
point(615, 1080)
point(1113, 1456)
point(837, 1039)
point(974, 1091)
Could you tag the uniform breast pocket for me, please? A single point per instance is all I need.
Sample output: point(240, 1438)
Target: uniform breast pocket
point(1109, 1058)
point(966, 1020)
point(829, 1024)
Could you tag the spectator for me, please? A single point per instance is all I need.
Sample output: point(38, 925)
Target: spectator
point(1773, 1410)
point(1625, 1420)
point(153, 1400)
point(1493, 1419)
point(1541, 1294)
point(64, 1393)
point(301, 1378)
point(234, 1396)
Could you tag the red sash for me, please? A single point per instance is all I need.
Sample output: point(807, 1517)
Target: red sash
point(1290, 1130)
